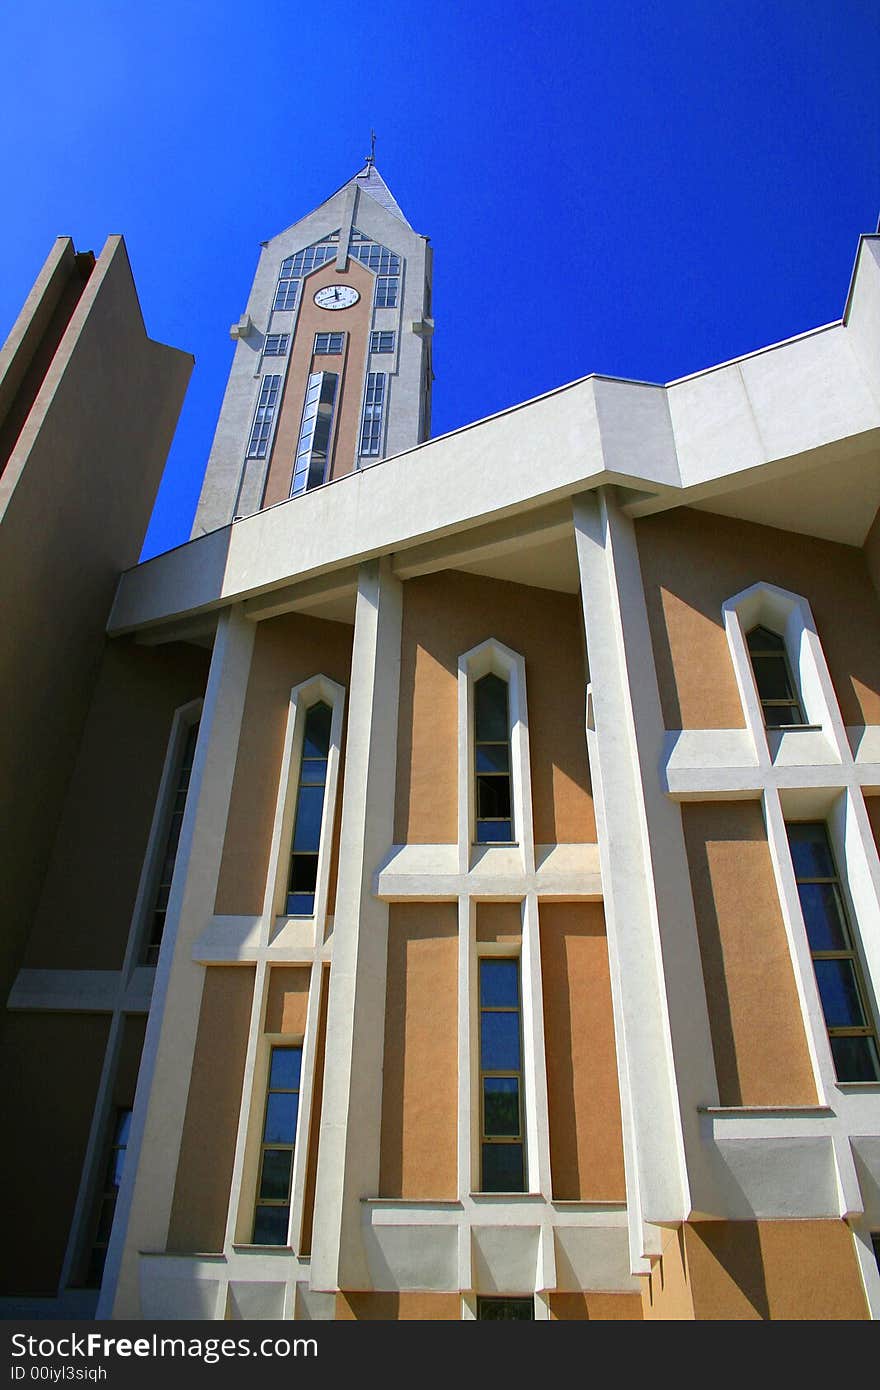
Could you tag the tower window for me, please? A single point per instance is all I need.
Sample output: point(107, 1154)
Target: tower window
point(272, 1214)
point(494, 822)
point(285, 294)
point(309, 812)
point(505, 1310)
point(303, 262)
point(107, 1198)
point(378, 258)
point(776, 687)
point(263, 417)
point(312, 453)
point(374, 406)
point(851, 1032)
point(276, 344)
point(386, 291)
point(502, 1167)
point(381, 342)
point(172, 839)
point(328, 344)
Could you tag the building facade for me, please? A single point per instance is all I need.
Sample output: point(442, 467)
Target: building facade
point(492, 927)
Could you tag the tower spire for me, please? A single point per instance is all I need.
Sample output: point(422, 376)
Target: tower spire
point(371, 157)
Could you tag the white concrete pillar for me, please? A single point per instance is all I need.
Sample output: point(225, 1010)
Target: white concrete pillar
point(145, 1197)
point(664, 1045)
point(351, 1115)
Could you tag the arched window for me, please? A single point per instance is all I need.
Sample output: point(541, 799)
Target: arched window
point(309, 812)
point(494, 821)
point(776, 688)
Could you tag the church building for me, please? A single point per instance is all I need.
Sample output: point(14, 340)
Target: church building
point(447, 886)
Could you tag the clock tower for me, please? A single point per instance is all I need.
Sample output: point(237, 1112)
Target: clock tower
point(332, 366)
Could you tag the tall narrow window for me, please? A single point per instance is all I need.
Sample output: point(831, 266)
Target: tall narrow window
point(309, 812)
point(501, 1112)
point(107, 1198)
point(851, 1033)
point(263, 417)
point(776, 688)
point(272, 1214)
point(492, 760)
point(172, 839)
point(386, 291)
point(310, 465)
point(374, 406)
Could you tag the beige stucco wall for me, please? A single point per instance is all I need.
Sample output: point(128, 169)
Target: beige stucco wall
point(207, 1148)
point(355, 322)
point(586, 1144)
point(75, 500)
point(761, 1055)
point(872, 551)
point(418, 1156)
point(287, 650)
point(872, 804)
point(666, 1291)
point(445, 615)
point(51, 1065)
point(308, 1218)
point(85, 911)
point(692, 561)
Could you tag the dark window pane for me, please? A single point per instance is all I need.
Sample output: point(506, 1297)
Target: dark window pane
point(810, 851)
point(499, 983)
point(503, 1168)
point(309, 805)
point(499, 1042)
point(316, 743)
point(781, 716)
point(314, 772)
point(95, 1271)
point(820, 903)
point(114, 1167)
point(270, 1225)
point(855, 1059)
point(505, 1310)
point(105, 1219)
point(494, 832)
point(761, 639)
point(285, 1070)
point(771, 675)
point(493, 798)
point(275, 1177)
point(839, 993)
point(303, 873)
point(123, 1127)
point(493, 757)
point(490, 700)
point(501, 1106)
point(281, 1112)
point(300, 904)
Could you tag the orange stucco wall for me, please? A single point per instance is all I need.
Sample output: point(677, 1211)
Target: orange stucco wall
point(446, 614)
point(288, 650)
point(692, 561)
point(397, 1307)
point(595, 1307)
point(586, 1143)
point(349, 366)
point(207, 1148)
point(287, 1000)
point(872, 805)
point(872, 551)
point(499, 922)
point(761, 1055)
point(420, 1071)
point(51, 1065)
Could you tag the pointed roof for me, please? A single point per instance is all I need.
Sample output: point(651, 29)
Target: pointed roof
point(369, 180)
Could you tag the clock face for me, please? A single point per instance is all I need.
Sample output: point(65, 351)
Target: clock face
point(336, 297)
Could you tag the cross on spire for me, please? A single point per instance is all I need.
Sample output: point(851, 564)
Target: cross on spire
point(371, 157)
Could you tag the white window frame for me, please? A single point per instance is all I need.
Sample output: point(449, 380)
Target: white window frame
point(790, 616)
point(493, 656)
point(317, 689)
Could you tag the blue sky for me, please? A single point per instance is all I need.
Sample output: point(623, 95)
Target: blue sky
point(635, 189)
